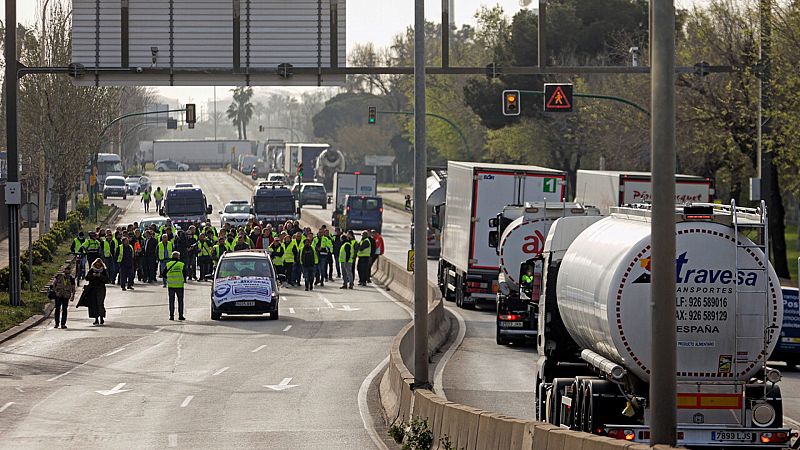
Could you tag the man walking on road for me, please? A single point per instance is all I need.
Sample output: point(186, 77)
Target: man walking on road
point(176, 277)
point(158, 195)
point(345, 259)
point(364, 258)
point(146, 200)
point(164, 252)
point(64, 288)
point(149, 257)
point(125, 264)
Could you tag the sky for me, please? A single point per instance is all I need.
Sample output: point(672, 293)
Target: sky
point(367, 20)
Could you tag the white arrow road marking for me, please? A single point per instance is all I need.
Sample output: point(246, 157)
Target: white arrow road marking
point(347, 308)
point(258, 348)
point(288, 327)
point(291, 310)
point(220, 371)
point(116, 390)
point(284, 384)
point(187, 401)
point(327, 302)
point(6, 406)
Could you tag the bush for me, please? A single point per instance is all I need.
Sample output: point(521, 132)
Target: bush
point(49, 242)
point(37, 257)
point(5, 277)
point(43, 251)
point(83, 204)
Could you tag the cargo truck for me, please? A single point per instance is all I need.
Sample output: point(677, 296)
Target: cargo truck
point(353, 184)
point(518, 235)
point(305, 154)
point(605, 189)
point(594, 340)
point(273, 204)
point(476, 193)
point(198, 153)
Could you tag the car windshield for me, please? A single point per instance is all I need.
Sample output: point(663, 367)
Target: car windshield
point(104, 167)
point(244, 267)
point(313, 189)
point(237, 209)
point(185, 206)
point(275, 205)
point(132, 179)
point(115, 182)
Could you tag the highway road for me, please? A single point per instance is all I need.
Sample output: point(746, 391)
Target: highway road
point(143, 381)
point(498, 378)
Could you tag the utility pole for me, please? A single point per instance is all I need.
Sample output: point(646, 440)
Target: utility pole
point(44, 207)
point(420, 213)
point(12, 83)
point(542, 33)
point(663, 382)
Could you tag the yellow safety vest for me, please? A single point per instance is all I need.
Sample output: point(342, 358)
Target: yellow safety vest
point(175, 274)
point(343, 257)
point(288, 254)
point(365, 252)
point(164, 253)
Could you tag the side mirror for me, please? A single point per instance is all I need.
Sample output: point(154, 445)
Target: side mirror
point(494, 222)
point(210, 209)
point(494, 239)
point(282, 278)
point(219, 212)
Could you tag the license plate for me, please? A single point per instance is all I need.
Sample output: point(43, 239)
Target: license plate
point(511, 324)
point(245, 303)
point(733, 436)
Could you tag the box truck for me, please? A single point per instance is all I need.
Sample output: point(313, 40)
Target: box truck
point(605, 189)
point(476, 193)
point(197, 153)
point(353, 184)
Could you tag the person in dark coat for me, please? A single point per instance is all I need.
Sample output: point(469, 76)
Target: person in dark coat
point(150, 257)
point(125, 263)
point(182, 244)
point(94, 295)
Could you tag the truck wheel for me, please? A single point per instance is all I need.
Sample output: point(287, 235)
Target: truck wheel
point(500, 339)
point(554, 400)
point(274, 315)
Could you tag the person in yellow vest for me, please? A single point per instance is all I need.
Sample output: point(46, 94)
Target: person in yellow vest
point(158, 195)
point(364, 258)
point(346, 262)
point(203, 250)
point(276, 254)
point(164, 251)
point(175, 274)
point(146, 200)
point(309, 260)
point(288, 258)
point(230, 243)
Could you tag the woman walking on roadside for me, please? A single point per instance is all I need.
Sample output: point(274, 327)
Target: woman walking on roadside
point(94, 295)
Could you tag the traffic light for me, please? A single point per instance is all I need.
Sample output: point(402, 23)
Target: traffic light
point(300, 170)
point(191, 114)
point(373, 115)
point(511, 105)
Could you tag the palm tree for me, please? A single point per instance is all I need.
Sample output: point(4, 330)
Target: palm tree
point(240, 111)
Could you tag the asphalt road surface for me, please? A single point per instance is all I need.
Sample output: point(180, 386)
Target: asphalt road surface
point(142, 381)
point(498, 378)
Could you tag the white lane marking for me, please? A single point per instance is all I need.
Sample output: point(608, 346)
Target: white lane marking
point(115, 390)
point(115, 351)
point(258, 348)
point(19, 389)
point(158, 330)
point(438, 372)
point(327, 302)
point(291, 310)
point(187, 401)
point(363, 406)
point(347, 308)
point(172, 440)
point(288, 327)
point(395, 301)
point(63, 374)
point(6, 406)
point(220, 371)
point(282, 386)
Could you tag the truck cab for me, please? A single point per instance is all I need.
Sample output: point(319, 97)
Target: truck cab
point(186, 206)
point(362, 213)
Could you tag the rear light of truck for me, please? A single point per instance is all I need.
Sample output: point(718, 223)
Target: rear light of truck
point(510, 317)
point(381, 210)
point(620, 433)
point(775, 438)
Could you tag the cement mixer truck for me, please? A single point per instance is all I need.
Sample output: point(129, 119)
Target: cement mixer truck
point(327, 164)
point(518, 235)
point(594, 340)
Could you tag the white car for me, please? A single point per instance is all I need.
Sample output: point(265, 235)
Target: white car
point(167, 165)
point(245, 283)
point(236, 213)
point(115, 186)
point(277, 178)
point(137, 184)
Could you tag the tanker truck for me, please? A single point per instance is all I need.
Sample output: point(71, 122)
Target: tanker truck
point(594, 340)
point(518, 234)
point(327, 164)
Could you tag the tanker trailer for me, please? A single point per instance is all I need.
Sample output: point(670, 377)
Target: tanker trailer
point(594, 342)
point(327, 164)
point(518, 235)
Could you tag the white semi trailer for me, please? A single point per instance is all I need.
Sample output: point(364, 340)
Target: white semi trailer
point(605, 189)
point(594, 328)
point(476, 193)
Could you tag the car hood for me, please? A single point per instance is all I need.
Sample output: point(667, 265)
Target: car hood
point(238, 216)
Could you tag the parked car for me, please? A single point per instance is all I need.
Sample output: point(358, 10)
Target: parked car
point(168, 165)
point(245, 283)
point(313, 194)
point(236, 212)
point(115, 187)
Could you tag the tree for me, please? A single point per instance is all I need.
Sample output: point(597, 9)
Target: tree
point(240, 111)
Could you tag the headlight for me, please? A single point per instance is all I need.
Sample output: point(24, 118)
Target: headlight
point(763, 414)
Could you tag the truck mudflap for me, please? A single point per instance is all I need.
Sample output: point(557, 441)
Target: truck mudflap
point(709, 435)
